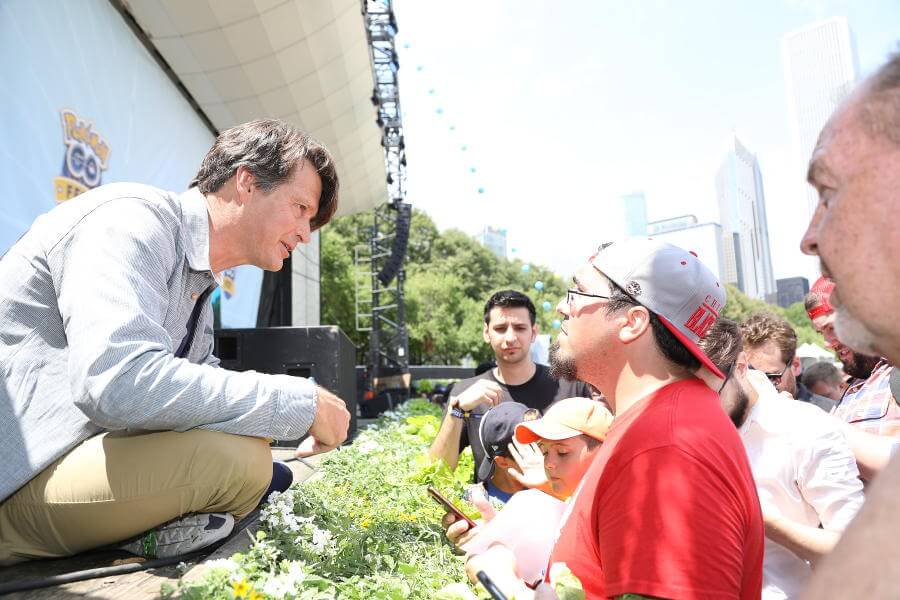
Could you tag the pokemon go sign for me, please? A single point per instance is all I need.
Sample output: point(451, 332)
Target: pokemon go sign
point(87, 156)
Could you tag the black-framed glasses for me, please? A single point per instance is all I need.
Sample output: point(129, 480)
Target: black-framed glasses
point(775, 378)
point(570, 294)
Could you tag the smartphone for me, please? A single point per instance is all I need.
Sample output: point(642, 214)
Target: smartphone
point(439, 498)
point(490, 586)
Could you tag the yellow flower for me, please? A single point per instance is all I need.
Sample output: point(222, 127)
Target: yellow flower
point(364, 523)
point(240, 587)
point(254, 595)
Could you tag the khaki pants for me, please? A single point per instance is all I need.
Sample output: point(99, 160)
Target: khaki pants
point(117, 485)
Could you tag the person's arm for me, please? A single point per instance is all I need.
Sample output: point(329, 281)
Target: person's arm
point(809, 543)
point(872, 452)
point(112, 276)
point(871, 539)
point(446, 444)
point(829, 481)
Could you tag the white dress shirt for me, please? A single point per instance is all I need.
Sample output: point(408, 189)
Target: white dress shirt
point(804, 471)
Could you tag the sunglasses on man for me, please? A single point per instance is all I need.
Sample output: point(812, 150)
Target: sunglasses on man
point(774, 378)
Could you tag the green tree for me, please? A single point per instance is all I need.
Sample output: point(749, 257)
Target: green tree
point(739, 306)
point(449, 277)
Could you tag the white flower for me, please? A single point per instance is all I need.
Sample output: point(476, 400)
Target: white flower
point(277, 587)
point(222, 563)
point(321, 539)
point(368, 446)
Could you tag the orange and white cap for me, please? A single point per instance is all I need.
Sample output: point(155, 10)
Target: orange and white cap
point(566, 419)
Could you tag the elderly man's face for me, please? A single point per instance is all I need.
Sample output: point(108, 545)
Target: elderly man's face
point(854, 229)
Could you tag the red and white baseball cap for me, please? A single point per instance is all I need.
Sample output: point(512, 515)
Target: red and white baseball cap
point(822, 289)
point(669, 281)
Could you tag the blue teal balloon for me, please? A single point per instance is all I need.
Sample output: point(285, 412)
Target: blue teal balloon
point(480, 190)
point(439, 111)
point(406, 45)
point(538, 285)
point(431, 91)
point(526, 268)
point(547, 305)
point(453, 128)
point(556, 323)
point(463, 148)
point(419, 67)
point(472, 169)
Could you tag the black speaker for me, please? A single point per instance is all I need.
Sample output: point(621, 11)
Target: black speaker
point(324, 354)
point(398, 248)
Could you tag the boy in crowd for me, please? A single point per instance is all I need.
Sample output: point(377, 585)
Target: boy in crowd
point(568, 436)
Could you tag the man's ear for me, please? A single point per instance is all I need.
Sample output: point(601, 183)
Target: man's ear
point(484, 334)
point(637, 322)
point(535, 330)
point(741, 364)
point(796, 366)
point(244, 180)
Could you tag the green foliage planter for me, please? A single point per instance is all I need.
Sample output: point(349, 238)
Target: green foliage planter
point(363, 528)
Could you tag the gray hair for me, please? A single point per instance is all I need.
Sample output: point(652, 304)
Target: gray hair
point(269, 149)
point(881, 103)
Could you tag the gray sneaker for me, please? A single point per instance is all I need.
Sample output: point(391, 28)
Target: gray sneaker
point(181, 536)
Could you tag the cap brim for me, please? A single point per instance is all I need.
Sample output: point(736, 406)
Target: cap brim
point(485, 469)
point(532, 431)
point(692, 347)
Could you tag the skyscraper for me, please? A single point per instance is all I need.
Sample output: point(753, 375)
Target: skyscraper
point(634, 208)
point(745, 231)
point(820, 68)
point(494, 239)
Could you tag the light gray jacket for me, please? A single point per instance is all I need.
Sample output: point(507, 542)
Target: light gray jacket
point(94, 301)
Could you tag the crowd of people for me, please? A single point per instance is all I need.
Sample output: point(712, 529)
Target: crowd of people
point(666, 452)
point(742, 487)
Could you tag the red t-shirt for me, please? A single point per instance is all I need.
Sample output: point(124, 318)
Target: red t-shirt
point(669, 507)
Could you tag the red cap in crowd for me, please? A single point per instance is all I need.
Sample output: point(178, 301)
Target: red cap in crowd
point(821, 288)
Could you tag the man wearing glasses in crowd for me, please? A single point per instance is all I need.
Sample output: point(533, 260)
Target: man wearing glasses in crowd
point(805, 471)
point(668, 508)
point(771, 346)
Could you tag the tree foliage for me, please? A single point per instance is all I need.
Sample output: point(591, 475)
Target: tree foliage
point(739, 306)
point(449, 276)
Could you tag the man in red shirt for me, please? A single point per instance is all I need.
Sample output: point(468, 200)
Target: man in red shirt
point(669, 506)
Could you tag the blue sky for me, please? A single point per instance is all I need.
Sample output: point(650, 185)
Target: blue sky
point(564, 106)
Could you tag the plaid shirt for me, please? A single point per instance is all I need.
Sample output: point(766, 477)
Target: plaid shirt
point(869, 404)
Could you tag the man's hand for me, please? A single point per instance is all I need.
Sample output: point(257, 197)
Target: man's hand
point(483, 391)
point(458, 531)
point(311, 446)
point(329, 427)
point(499, 563)
point(531, 462)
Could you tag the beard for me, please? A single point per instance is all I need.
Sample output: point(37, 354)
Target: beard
point(561, 366)
point(853, 334)
point(738, 412)
point(860, 365)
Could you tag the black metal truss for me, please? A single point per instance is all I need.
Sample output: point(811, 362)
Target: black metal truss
point(388, 339)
